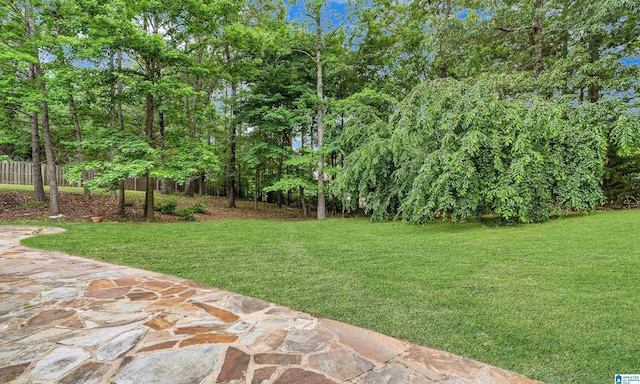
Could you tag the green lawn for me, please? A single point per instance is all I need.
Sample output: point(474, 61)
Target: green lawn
point(559, 302)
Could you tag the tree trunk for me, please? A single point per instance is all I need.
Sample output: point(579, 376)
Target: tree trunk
point(78, 132)
point(119, 92)
point(320, 118)
point(149, 114)
point(256, 185)
point(593, 92)
point(537, 31)
point(305, 211)
point(38, 183)
point(232, 147)
point(54, 196)
point(188, 189)
point(443, 67)
point(112, 117)
point(121, 194)
point(149, 202)
point(279, 192)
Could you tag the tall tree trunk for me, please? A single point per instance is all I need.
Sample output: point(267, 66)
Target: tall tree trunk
point(54, 196)
point(38, 183)
point(593, 92)
point(112, 116)
point(256, 185)
point(320, 118)
point(232, 146)
point(537, 31)
point(443, 67)
point(149, 114)
point(76, 127)
point(189, 188)
point(280, 168)
point(121, 196)
point(305, 212)
point(161, 129)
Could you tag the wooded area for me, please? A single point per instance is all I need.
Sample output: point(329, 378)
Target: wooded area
point(415, 110)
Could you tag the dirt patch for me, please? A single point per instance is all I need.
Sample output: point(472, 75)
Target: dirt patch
point(19, 205)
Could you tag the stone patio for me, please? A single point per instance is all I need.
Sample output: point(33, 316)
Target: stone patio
point(66, 319)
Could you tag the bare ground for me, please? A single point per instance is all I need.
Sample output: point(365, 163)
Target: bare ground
point(19, 205)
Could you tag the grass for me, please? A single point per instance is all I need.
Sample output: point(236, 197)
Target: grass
point(558, 302)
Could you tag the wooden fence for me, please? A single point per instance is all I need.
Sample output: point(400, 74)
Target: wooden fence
point(21, 173)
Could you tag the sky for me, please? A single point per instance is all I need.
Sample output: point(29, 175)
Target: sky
point(336, 8)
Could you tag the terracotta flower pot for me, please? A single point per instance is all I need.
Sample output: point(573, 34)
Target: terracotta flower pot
point(96, 219)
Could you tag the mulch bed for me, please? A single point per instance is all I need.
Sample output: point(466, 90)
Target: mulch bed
point(19, 206)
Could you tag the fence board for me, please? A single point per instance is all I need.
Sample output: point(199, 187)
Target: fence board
point(21, 173)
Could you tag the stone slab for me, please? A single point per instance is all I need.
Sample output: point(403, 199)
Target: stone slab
point(303, 341)
point(370, 344)
point(235, 365)
point(119, 345)
point(60, 361)
point(301, 376)
point(88, 373)
point(391, 374)
point(340, 363)
point(182, 366)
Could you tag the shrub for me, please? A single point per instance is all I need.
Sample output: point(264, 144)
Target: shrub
point(198, 208)
point(168, 207)
point(186, 214)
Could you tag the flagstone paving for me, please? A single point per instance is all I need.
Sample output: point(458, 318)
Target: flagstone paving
point(66, 319)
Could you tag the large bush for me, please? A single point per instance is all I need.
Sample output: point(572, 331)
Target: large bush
point(460, 150)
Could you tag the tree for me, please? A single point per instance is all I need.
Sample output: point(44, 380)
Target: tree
point(459, 151)
point(28, 36)
point(316, 11)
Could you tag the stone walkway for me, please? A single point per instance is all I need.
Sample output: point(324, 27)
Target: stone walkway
point(67, 319)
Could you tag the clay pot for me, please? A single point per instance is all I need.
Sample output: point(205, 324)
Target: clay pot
point(96, 219)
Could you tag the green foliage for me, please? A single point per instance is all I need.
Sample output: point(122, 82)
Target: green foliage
point(198, 208)
point(187, 214)
point(622, 179)
point(185, 158)
point(292, 183)
point(456, 149)
point(168, 207)
point(364, 141)
point(134, 158)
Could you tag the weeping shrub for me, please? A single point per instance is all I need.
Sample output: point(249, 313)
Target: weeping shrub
point(457, 149)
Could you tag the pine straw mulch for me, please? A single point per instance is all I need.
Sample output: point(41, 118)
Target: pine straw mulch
point(19, 206)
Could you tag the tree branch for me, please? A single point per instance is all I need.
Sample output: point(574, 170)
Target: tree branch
point(15, 109)
point(514, 29)
point(301, 51)
point(347, 17)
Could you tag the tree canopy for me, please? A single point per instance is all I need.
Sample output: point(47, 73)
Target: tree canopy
point(418, 110)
